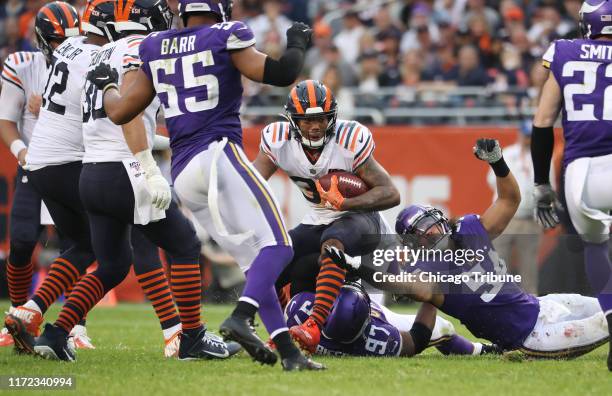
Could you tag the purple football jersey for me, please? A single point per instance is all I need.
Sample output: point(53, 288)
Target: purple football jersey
point(500, 312)
point(199, 87)
point(583, 69)
point(379, 337)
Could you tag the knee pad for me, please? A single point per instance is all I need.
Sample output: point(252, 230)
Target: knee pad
point(20, 253)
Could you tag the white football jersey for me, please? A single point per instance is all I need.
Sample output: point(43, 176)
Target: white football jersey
point(104, 141)
point(350, 147)
point(27, 72)
point(58, 135)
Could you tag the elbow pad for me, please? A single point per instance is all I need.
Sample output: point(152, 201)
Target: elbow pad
point(285, 71)
point(542, 144)
point(421, 335)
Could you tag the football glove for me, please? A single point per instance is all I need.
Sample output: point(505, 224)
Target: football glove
point(547, 206)
point(342, 259)
point(298, 35)
point(104, 77)
point(331, 199)
point(161, 195)
point(488, 150)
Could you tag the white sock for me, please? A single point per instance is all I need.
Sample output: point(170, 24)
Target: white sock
point(169, 332)
point(32, 305)
point(477, 348)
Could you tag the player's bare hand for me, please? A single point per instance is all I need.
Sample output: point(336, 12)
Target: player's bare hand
point(488, 150)
point(331, 199)
point(547, 206)
point(103, 77)
point(34, 103)
point(298, 35)
point(21, 157)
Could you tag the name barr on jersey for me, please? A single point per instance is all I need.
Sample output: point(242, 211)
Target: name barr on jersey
point(171, 46)
point(69, 51)
point(592, 51)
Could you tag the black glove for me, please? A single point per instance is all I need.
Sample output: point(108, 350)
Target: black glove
point(342, 259)
point(547, 205)
point(488, 150)
point(298, 36)
point(104, 77)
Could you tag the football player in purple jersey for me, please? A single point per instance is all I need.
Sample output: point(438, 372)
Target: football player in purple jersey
point(578, 86)
point(496, 309)
point(196, 73)
point(358, 326)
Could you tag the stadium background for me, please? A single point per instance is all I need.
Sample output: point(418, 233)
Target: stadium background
point(427, 77)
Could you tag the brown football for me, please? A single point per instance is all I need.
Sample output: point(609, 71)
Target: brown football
point(349, 184)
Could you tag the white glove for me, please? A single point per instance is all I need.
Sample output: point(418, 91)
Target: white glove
point(342, 259)
point(158, 186)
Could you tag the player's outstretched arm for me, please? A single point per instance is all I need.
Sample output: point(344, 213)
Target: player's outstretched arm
point(542, 145)
point(417, 339)
point(496, 218)
point(264, 165)
point(382, 193)
point(122, 107)
point(283, 72)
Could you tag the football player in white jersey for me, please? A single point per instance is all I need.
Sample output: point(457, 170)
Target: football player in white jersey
point(309, 145)
point(22, 78)
point(55, 23)
point(120, 190)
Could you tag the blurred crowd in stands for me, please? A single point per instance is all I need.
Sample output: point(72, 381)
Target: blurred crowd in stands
point(384, 54)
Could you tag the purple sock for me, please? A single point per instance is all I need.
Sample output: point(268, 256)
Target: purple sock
point(599, 272)
point(259, 289)
point(456, 345)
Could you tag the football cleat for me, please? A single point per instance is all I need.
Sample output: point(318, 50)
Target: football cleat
point(299, 363)
point(202, 346)
point(242, 331)
point(491, 349)
point(307, 335)
point(23, 324)
point(78, 336)
point(53, 344)
point(171, 349)
point(6, 339)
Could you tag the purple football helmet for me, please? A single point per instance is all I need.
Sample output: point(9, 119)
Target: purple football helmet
point(595, 18)
point(221, 8)
point(350, 314)
point(299, 308)
point(415, 224)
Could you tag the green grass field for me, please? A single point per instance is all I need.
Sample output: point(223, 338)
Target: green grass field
point(129, 361)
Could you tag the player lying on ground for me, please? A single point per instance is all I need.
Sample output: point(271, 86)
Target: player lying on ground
point(196, 73)
point(309, 145)
point(578, 85)
point(554, 326)
point(357, 326)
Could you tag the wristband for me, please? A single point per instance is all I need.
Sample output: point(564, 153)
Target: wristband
point(17, 146)
point(109, 86)
point(500, 168)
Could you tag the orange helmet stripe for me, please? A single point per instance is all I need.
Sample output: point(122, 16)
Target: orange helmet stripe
point(90, 8)
point(296, 101)
point(122, 12)
point(68, 14)
point(56, 25)
point(312, 97)
point(327, 99)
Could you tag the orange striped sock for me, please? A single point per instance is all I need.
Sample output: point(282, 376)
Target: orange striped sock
point(61, 276)
point(186, 283)
point(329, 281)
point(19, 280)
point(155, 286)
point(83, 298)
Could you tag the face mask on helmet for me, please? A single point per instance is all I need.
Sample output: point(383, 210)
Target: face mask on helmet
point(430, 230)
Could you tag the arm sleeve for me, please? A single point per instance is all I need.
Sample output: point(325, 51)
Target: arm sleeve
point(549, 55)
point(359, 140)
point(13, 101)
point(131, 57)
